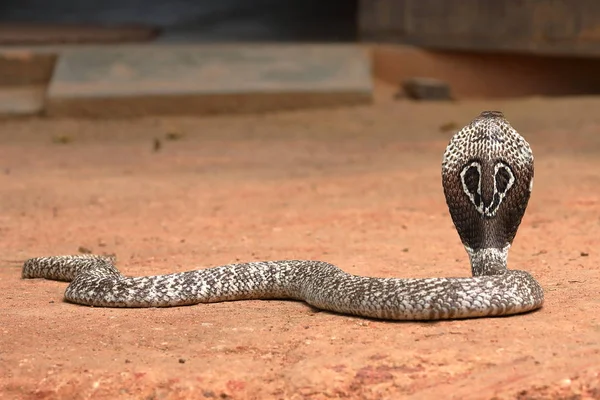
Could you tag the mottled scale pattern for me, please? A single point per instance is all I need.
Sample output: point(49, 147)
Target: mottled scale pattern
point(493, 289)
point(96, 282)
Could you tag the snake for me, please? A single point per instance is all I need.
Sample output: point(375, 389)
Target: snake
point(487, 178)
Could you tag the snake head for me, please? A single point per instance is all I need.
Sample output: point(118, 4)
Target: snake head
point(487, 175)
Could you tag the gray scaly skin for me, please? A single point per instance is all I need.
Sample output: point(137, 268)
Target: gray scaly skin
point(487, 175)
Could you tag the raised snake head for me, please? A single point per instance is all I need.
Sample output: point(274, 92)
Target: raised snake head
point(487, 175)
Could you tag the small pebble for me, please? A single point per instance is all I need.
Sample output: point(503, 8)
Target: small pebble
point(565, 382)
point(426, 89)
point(173, 135)
point(449, 127)
point(84, 250)
point(62, 139)
point(157, 144)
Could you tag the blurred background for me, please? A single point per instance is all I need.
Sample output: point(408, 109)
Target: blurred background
point(426, 50)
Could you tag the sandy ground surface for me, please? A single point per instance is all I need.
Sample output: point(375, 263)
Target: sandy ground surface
point(357, 187)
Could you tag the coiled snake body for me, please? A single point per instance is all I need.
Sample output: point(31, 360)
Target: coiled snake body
point(487, 175)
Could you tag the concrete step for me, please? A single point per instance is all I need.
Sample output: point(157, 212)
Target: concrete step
point(135, 80)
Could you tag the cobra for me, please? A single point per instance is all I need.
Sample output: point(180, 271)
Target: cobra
point(487, 176)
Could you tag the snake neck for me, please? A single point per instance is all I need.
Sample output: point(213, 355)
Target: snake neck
point(488, 261)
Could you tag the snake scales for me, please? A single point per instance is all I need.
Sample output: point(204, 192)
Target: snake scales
point(487, 175)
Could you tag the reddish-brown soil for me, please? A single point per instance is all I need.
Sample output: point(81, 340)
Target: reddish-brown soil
point(358, 187)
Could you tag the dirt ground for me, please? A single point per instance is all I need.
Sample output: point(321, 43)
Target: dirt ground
point(358, 187)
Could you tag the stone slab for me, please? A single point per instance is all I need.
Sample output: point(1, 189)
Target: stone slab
point(204, 79)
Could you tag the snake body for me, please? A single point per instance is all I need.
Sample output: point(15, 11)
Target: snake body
point(487, 175)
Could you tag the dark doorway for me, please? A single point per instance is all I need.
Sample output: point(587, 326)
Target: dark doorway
point(202, 20)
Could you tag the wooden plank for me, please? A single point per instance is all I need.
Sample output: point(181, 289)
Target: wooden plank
point(554, 27)
point(37, 33)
